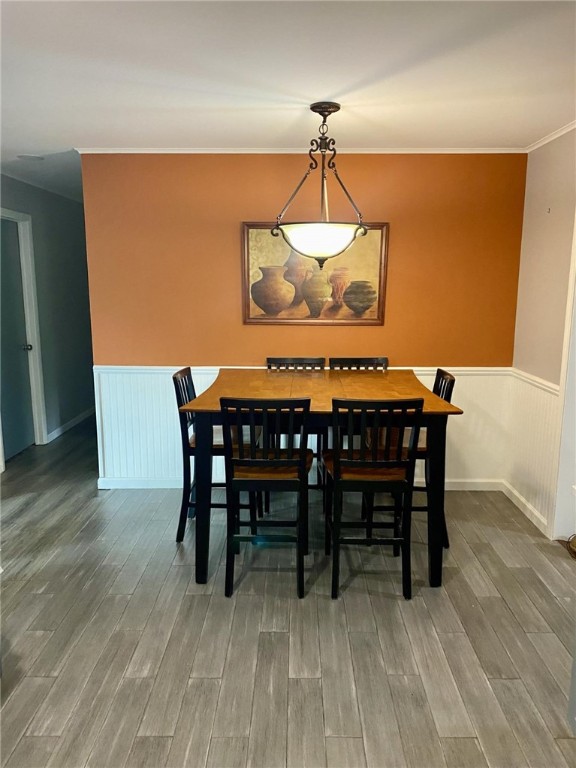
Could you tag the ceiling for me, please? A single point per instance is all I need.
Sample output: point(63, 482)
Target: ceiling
point(239, 76)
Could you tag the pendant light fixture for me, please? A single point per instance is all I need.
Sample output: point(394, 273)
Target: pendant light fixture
point(323, 239)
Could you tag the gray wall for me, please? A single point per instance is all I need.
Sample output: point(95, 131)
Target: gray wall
point(63, 306)
point(545, 259)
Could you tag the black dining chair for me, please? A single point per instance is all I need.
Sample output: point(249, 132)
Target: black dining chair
point(443, 387)
point(358, 363)
point(185, 392)
point(304, 364)
point(355, 364)
point(362, 462)
point(295, 363)
point(266, 451)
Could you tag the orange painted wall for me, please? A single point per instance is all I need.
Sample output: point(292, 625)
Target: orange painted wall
point(165, 267)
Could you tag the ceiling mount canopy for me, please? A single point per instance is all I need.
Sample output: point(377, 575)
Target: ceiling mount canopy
point(321, 239)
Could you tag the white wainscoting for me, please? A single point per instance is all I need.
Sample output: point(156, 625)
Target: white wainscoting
point(507, 439)
point(534, 447)
point(137, 423)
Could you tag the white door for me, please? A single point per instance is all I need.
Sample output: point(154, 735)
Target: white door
point(15, 394)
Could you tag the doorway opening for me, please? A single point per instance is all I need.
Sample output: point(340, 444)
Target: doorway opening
point(26, 339)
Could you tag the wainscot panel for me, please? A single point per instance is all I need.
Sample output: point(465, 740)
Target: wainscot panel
point(507, 439)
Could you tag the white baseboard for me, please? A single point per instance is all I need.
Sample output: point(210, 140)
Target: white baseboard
point(115, 483)
point(474, 485)
point(133, 483)
point(69, 424)
point(511, 493)
point(531, 512)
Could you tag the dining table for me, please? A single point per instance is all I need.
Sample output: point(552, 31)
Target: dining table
point(321, 387)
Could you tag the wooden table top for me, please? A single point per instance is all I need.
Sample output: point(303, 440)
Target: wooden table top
point(320, 386)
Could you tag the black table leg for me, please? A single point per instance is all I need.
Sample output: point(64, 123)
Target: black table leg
point(436, 436)
point(203, 467)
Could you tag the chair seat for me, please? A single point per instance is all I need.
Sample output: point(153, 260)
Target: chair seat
point(264, 472)
point(422, 448)
point(363, 473)
point(217, 440)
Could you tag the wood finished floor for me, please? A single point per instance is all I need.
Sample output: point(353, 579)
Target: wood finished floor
point(114, 656)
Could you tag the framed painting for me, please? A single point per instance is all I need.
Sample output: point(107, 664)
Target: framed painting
point(281, 286)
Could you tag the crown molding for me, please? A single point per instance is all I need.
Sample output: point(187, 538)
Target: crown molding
point(343, 151)
point(555, 135)
point(299, 151)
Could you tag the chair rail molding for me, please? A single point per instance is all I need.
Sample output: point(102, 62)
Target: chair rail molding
point(506, 440)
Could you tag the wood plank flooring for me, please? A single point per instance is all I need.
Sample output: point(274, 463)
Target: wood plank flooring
point(113, 655)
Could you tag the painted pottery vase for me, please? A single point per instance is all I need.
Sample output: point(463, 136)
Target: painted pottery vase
point(272, 293)
point(296, 268)
point(359, 296)
point(316, 291)
point(339, 280)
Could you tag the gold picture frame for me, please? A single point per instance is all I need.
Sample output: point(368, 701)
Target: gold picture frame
point(280, 286)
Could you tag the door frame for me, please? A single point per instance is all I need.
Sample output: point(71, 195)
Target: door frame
point(26, 248)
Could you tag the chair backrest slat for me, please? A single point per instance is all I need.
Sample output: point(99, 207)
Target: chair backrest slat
point(358, 363)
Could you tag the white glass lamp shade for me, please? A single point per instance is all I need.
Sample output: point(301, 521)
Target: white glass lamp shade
point(320, 240)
